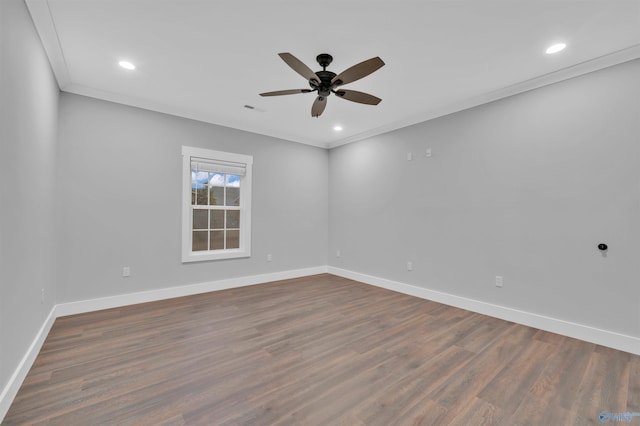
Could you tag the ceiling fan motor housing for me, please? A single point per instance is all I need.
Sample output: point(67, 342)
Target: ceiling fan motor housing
point(325, 87)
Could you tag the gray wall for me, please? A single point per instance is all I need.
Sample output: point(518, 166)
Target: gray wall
point(119, 175)
point(28, 128)
point(525, 187)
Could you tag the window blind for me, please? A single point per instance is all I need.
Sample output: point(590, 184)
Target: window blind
point(218, 166)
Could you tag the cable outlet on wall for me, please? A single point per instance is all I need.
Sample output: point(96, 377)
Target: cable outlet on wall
point(409, 266)
point(498, 281)
point(126, 271)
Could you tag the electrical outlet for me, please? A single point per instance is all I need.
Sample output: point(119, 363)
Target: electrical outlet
point(42, 295)
point(498, 281)
point(269, 257)
point(409, 156)
point(337, 253)
point(126, 271)
point(409, 266)
point(428, 152)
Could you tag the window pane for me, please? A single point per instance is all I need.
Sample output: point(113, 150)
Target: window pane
point(233, 190)
point(217, 196)
point(233, 219)
point(233, 196)
point(202, 196)
point(199, 241)
point(217, 240)
point(233, 180)
point(200, 219)
point(233, 239)
point(217, 219)
point(216, 179)
point(199, 181)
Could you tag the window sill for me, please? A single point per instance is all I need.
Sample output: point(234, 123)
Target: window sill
point(207, 256)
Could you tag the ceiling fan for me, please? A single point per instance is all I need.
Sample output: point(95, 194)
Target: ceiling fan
point(326, 82)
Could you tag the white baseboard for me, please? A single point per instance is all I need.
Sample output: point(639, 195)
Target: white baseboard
point(15, 381)
point(82, 306)
point(579, 331)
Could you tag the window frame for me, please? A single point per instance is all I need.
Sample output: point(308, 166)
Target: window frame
point(244, 250)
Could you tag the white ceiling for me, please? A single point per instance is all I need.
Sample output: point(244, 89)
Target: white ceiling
point(206, 59)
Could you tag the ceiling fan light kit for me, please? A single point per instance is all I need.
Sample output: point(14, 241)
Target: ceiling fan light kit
point(326, 82)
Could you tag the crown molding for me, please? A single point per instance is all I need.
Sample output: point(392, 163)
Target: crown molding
point(46, 28)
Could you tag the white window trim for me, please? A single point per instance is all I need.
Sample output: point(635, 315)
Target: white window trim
point(245, 206)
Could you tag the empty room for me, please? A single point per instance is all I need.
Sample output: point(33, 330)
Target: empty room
point(319, 213)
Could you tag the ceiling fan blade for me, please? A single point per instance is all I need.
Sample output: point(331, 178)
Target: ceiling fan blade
point(298, 66)
point(360, 97)
point(358, 71)
point(286, 92)
point(318, 106)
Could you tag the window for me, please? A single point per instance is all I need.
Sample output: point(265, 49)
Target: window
point(216, 205)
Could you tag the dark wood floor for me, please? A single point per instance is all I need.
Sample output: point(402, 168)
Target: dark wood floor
point(317, 351)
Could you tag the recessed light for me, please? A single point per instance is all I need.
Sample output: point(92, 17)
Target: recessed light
point(337, 128)
point(555, 48)
point(127, 65)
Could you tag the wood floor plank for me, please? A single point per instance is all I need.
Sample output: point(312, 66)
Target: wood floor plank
point(479, 413)
point(604, 386)
point(508, 389)
point(316, 351)
point(483, 335)
point(463, 386)
point(550, 338)
point(554, 392)
point(400, 397)
point(633, 401)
